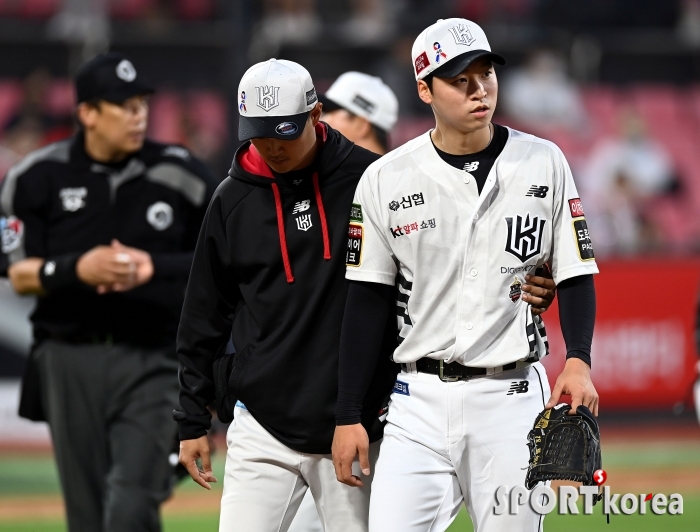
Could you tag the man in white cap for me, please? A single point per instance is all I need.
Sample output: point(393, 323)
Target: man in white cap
point(456, 219)
point(269, 271)
point(363, 108)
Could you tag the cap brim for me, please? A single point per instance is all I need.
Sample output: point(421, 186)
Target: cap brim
point(456, 65)
point(272, 127)
point(328, 105)
point(122, 94)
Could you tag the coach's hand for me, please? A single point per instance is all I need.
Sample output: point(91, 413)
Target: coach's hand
point(539, 291)
point(575, 381)
point(190, 450)
point(348, 442)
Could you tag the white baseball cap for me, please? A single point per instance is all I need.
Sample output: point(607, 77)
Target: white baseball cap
point(275, 98)
point(363, 95)
point(448, 47)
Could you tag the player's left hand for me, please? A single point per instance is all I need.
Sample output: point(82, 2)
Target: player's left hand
point(350, 441)
point(575, 381)
point(539, 292)
point(142, 268)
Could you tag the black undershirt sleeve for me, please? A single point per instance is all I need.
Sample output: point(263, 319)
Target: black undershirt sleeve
point(364, 323)
point(577, 315)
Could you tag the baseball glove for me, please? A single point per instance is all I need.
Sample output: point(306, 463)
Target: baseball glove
point(563, 447)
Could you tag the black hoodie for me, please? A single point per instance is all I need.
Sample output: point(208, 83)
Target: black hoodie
point(270, 266)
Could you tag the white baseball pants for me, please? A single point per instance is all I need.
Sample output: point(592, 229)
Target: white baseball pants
point(449, 442)
point(265, 482)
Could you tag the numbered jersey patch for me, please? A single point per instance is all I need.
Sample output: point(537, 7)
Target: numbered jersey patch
point(353, 256)
point(583, 239)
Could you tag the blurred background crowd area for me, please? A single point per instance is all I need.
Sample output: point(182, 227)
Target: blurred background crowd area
point(615, 83)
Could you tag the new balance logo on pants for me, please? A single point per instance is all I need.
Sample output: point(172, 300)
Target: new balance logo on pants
point(518, 387)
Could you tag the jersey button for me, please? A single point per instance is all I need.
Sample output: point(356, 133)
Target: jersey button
point(473, 272)
point(466, 179)
point(469, 326)
point(476, 216)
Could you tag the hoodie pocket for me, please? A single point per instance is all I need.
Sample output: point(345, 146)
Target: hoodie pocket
point(227, 373)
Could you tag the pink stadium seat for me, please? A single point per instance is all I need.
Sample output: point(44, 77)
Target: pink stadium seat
point(38, 8)
point(603, 105)
point(10, 99)
point(60, 98)
point(208, 110)
point(127, 9)
point(165, 124)
point(195, 9)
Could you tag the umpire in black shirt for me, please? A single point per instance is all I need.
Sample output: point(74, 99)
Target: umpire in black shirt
point(102, 227)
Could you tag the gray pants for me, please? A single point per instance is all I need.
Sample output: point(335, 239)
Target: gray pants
point(110, 412)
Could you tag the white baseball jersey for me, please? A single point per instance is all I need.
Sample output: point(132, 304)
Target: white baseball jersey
point(458, 257)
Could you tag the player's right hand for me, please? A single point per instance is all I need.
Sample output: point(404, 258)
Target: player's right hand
point(103, 266)
point(348, 442)
point(190, 451)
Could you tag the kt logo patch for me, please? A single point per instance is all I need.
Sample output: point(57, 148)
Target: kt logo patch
point(524, 236)
point(268, 97)
point(537, 192)
point(304, 222)
point(518, 387)
point(462, 34)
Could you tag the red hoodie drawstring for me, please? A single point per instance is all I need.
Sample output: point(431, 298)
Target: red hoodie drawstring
point(282, 234)
point(322, 214)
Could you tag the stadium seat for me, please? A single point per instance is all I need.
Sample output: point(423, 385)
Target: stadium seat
point(10, 100)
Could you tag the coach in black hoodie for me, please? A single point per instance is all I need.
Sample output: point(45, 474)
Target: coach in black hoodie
point(270, 266)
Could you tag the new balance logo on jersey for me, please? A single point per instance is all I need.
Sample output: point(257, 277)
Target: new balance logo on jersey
point(471, 167)
point(304, 222)
point(518, 387)
point(524, 236)
point(538, 192)
point(301, 206)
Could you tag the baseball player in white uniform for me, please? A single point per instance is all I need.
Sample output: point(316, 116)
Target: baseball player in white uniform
point(449, 225)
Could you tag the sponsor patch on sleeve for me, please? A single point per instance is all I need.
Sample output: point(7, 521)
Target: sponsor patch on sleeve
point(583, 239)
point(11, 232)
point(356, 213)
point(401, 388)
point(353, 255)
point(576, 207)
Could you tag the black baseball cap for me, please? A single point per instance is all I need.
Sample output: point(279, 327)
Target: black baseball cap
point(111, 77)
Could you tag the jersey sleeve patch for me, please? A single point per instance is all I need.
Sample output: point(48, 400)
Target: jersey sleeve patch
point(11, 231)
point(576, 207)
point(353, 255)
point(356, 213)
point(583, 239)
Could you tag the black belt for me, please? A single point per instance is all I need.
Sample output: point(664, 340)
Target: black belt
point(454, 371)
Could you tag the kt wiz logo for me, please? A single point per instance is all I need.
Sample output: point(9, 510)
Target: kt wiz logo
point(524, 236)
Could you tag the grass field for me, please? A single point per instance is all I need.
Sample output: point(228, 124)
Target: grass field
point(30, 497)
